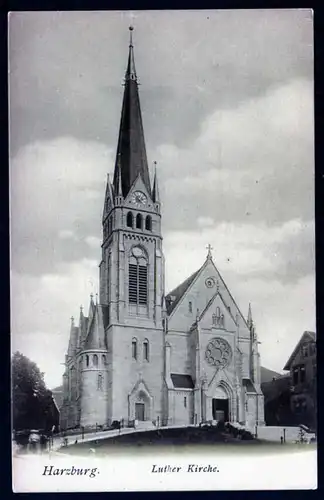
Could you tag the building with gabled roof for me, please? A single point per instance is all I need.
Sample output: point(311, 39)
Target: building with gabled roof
point(140, 355)
point(302, 366)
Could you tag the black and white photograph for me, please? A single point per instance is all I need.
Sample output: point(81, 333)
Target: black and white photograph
point(162, 226)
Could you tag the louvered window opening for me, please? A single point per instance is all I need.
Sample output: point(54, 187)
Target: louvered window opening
point(137, 284)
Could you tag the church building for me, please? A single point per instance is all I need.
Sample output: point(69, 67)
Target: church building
point(141, 355)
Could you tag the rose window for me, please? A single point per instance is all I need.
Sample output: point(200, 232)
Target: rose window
point(218, 353)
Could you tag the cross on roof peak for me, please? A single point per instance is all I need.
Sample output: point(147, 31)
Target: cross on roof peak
point(209, 248)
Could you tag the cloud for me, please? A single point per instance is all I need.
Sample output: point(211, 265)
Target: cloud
point(66, 68)
point(41, 308)
point(53, 185)
point(244, 251)
point(66, 234)
point(254, 162)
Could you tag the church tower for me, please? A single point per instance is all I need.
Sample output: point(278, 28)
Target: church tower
point(132, 270)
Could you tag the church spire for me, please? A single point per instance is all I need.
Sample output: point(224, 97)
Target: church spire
point(131, 144)
point(131, 71)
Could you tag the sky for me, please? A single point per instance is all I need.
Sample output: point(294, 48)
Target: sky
point(227, 104)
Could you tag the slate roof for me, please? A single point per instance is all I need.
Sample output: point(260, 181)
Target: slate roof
point(306, 335)
point(58, 396)
point(96, 335)
point(131, 151)
point(182, 381)
point(178, 292)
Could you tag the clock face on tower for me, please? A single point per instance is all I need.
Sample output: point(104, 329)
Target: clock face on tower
point(139, 198)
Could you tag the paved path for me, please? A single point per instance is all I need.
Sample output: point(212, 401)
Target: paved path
point(93, 436)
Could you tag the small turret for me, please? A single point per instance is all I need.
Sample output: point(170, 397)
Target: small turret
point(249, 320)
point(155, 190)
point(73, 341)
point(109, 199)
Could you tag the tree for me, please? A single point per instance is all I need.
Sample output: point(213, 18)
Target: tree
point(32, 403)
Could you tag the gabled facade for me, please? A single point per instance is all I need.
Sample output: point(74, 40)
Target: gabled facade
point(302, 366)
point(139, 355)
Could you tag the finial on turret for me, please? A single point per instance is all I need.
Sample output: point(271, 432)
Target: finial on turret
point(91, 297)
point(209, 248)
point(155, 190)
point(81, 308)
point(249, 318)
point(72, 320)
point(96, 298)
point(131, 29)
point(119, 190)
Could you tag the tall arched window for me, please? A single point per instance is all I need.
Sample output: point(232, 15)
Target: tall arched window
point(95, 360)
point(139, 221)
point(129, 219)
point(146, 350)
point(148, 223)
point(137, 285)
point(87, 360)
point(104, 360)
point(190, 307)
point(134, 348)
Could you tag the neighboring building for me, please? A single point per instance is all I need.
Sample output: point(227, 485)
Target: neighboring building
point(277, 393)
point(183, 358)
point(290, 399)
point(302, 365)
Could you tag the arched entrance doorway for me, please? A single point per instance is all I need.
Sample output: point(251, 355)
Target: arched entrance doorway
point(140, 403)
point(220, 405)
point(142, 406)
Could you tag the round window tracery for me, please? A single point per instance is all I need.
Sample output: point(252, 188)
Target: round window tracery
point(218, 353)
point(210, 282)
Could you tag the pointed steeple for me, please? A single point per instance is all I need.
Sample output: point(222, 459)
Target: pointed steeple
point(82, 328)
point(131, 71)
point(249, 317)
point(131, 151)
point(108, 198)
point(96, 335)
point(155, 191)
point(91, 309)
point(74, 333)
point(119, 191)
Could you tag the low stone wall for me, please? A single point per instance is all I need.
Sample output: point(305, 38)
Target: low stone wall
point(274, 433)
